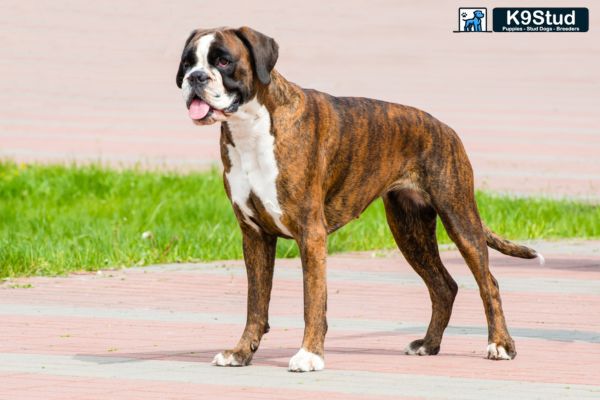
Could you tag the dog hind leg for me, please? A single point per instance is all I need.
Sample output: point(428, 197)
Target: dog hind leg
point(413, 225)
point(458, 211)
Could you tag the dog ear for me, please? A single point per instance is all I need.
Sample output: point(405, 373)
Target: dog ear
point(180, 71)
point(264, 51)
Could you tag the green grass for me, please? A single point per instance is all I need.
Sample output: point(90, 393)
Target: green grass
point(56, 219)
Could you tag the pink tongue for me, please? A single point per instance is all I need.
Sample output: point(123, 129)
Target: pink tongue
point(198, 109)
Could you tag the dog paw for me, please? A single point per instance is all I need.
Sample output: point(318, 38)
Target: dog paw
point(229, 359)
point(305, 361)
point(499, 352)
point(419, 348)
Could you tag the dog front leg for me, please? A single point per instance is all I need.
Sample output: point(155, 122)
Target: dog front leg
point(259, 255)
point(313, 252)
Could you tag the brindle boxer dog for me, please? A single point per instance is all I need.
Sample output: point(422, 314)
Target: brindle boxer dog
point(300, 164)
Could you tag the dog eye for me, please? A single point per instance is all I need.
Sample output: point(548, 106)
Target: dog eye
point(185, 65)
point(222, 62)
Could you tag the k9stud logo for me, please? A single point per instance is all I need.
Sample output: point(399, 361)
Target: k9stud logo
point(472, 19)
point(541, 19)
point(524, 19)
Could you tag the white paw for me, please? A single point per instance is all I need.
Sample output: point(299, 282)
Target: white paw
point(224, 361)
point(304, 361)
point(495, 352)
point(421, 351)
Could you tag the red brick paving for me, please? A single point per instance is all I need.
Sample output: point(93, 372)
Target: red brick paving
point(95, 81)
point(92, 81)
point(182, 315)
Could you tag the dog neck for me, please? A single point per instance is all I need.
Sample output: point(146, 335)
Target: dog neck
point(279, 93)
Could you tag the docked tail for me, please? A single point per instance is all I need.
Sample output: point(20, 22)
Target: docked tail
point(509, 248)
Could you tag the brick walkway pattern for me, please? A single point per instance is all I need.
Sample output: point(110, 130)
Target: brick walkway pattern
point(96, 81)
point(150, 333)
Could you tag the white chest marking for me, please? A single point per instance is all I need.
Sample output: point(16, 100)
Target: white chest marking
point(253, 165)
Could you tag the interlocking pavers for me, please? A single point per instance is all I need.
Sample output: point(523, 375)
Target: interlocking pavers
point(104, 90)
point(152, 332)
point(92, 81)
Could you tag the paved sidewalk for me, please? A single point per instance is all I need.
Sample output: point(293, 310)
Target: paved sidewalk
point(150, 333)
point(96, 81)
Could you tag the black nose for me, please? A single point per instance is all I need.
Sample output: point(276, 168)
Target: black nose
point(198, 78)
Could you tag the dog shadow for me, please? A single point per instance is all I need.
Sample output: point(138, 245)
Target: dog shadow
point(268, 357)
point(274, 357)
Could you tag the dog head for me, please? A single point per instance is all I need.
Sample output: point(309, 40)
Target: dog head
point(221, 69)
point(478, 14)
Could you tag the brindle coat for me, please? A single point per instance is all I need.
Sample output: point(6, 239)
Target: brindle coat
point(335, 156)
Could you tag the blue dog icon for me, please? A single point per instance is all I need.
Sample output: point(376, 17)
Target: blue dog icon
point(474, 24)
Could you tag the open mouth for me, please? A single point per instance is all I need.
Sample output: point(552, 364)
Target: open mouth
point(200, 110)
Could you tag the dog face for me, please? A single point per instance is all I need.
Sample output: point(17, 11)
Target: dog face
point(220, 69)
point(478, 14)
